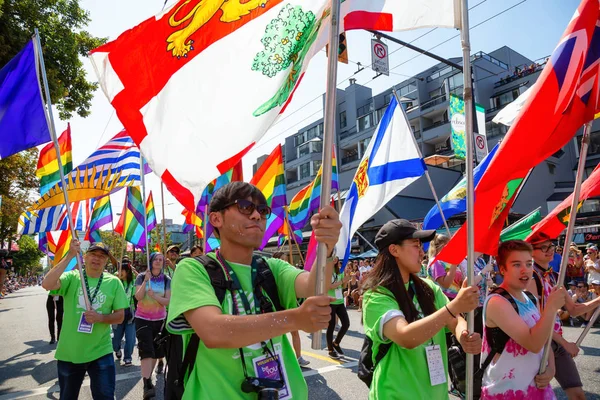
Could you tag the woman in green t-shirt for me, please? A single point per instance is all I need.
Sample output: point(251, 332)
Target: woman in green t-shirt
point(338, 310)
point(411, 315)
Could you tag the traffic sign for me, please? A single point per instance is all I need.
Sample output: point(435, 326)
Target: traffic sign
point(481, 149)
point(380, 61)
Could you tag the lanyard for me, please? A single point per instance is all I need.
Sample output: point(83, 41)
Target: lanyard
point(87, 287)
point(237, 287)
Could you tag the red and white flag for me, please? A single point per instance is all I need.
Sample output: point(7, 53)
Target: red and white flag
point(198, 84)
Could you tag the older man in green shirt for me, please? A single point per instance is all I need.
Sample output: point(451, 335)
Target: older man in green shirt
point(85, 344)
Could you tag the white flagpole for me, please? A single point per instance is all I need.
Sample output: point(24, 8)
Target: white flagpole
point(50, 120)
point(585, 141)
point(143, 179)
point(589, 325)
point(437, 202)
point(468, 98)
point(328, 142)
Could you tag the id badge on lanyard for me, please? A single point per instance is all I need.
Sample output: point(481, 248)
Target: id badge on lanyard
point(435, 364)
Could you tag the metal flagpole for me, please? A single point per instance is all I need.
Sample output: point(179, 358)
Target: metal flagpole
point(369, 243)
point(146, 233)
point(50, 120)
point(328, 140)
point(468, 98)
point(585, 141)
point(164, 226)
point(589, 325)
point(426, 170)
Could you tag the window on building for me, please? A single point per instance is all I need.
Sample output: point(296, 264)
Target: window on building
point(365, 122)
point(362, 146)
point(343, 122)
point(506, 98)
point(551, 168)
point(349, 155)
point(291, 175)
point(387, 98)
point(492, 129)
point(316, 166)
point(299, 139)
point(316, 147)
point(303, 149)
point(364, 110)
point(456, 81)
point(315, 131)
point(379, 114)
point(304, 170)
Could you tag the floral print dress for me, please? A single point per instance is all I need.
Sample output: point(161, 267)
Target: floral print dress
point(512, 375)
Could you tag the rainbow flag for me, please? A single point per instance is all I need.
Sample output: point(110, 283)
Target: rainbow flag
point(131, 223)
point(308, 199)
point(59, 247)
point(47, 167)
point(270, 179)
point(150, 213)
point(311, 253)
point(101, 216)
point(192, 221)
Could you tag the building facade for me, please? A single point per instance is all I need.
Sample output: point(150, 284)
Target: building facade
point(499, 78)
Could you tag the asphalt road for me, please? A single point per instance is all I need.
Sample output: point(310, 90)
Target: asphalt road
point(28, 368)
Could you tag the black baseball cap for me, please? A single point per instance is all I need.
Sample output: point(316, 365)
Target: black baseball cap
point(99, 246)
point(400, 229)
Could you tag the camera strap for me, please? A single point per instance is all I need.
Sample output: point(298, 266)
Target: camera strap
point(235, 287)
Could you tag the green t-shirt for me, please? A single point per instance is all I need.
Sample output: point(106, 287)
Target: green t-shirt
point(78, 347)
point(218, 373)
point(402, 373)
point(338, 292)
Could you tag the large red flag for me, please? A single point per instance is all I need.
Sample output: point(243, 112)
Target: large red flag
point(564, 98)
point(556, 222)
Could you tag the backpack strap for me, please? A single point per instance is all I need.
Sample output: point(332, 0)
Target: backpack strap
point(266, 280)
point(539, 284)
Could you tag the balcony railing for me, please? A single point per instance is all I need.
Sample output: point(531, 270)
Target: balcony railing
point(349, 159)
point(435, 125)
point(434, 102)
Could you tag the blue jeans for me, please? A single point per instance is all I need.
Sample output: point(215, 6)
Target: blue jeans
point(127, 330)
point(102, 378)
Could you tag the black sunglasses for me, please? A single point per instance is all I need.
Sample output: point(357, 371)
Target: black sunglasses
point(580, 287)
point(247, 207)
point(544, 249)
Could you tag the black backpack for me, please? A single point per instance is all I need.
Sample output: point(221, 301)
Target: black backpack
point(178, 369)
point(500, 338)
point(366, 366)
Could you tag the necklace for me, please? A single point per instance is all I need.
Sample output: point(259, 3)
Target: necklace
point(155, 276)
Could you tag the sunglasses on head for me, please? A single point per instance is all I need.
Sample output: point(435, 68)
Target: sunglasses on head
point(247, 207)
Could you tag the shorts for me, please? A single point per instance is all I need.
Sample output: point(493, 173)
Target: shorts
point(146, 331)
point(566, 370)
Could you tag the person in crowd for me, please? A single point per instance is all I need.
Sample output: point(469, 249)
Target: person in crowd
point(85, 344)
point(566, 373)
point(596, 287)
point(351, 294)
point(583, 295)
point(555, 263)
point(412, 314)
point(338, 310)
point(152, 291)
point(572, 288)
point(575, 267)
point(171, 262)
point(448, 276)
point(127, 327)
point(512, 368)
point(296, 343)
point(3, 272)
point(234, 342)
point(196, 251)
point(592, 264)
point(54, 308)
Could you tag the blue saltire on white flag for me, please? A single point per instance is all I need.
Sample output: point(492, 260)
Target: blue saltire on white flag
point(390, 163)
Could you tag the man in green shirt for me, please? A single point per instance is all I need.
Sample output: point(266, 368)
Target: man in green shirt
point(248, 344)
point(85, 344)
point(171, 260)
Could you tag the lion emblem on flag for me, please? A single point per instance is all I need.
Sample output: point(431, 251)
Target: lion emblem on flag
point(179, 42)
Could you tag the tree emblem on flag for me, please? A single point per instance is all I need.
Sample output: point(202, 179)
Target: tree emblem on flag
point(362, 179)
point(179, 42)
point(565, 215)
point(287, 40)
point(507, 197)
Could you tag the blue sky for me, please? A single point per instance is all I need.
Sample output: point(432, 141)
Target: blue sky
point(531, 27)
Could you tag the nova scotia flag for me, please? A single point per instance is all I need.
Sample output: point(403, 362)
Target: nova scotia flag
point(390, 163)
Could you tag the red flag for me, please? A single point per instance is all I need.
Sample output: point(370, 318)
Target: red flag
point(558, 219)
point(564, 98)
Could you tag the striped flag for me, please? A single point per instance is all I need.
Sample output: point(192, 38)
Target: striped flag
point(270, 180)
point(60, 247)
point(101, 216)
point(111, 167)
point(131, 223)
point(308, 199)
point(55, 218)
point(47, 167)
point(192, 221)
point(150, 213)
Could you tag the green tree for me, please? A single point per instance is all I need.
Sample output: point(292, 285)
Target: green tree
point(156, 237)
point(61, 24)
point(17, 180)
point(27, 259)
